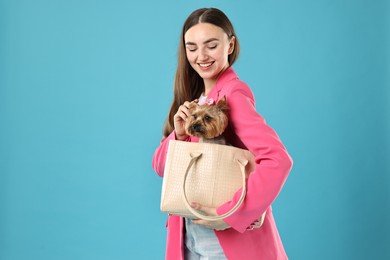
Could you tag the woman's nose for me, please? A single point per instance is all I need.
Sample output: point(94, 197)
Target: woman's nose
point(202, 55)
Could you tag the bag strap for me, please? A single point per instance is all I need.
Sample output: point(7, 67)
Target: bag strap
point(194, 158)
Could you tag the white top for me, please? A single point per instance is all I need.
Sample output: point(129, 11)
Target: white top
point(203, 100)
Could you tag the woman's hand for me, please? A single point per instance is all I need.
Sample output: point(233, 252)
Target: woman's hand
point(217, 224)
point(179, 120)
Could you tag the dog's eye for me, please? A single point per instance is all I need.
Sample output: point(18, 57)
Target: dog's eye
point(207, 118)
point(194, 116)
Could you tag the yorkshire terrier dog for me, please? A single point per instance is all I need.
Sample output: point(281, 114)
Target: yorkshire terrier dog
point(208, 122)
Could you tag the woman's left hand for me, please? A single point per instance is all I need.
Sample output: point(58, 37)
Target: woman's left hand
point(217, 224)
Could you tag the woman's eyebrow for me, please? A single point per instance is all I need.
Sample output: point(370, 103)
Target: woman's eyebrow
point(210, 40)
point(190, 43)
point(205, 42)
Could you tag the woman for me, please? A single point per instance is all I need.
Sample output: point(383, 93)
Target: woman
point(207, 50)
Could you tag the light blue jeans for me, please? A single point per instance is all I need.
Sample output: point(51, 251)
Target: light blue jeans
point(201, 243)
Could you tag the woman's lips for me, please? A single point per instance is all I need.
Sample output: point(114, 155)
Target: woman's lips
point(205, 65)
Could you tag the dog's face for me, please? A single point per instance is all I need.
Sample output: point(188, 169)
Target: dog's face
point(207, 121)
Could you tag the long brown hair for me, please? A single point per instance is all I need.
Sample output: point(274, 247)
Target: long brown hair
point(188, 84)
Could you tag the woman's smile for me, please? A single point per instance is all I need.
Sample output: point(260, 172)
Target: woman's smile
point(205, 65)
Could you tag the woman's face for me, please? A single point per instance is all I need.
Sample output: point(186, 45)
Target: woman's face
point(207, 49)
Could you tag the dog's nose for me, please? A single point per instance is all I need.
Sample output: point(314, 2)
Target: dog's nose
point(196, 127)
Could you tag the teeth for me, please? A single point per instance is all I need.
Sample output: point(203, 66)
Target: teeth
point(204, 65)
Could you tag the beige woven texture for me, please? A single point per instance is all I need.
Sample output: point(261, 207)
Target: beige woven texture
point(213, 179)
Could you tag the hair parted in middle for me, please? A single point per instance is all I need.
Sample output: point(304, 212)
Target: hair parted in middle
point(188, 84)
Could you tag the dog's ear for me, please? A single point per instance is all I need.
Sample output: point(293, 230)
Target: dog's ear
point(192, 106)
point(222, 101)
point(222, 104)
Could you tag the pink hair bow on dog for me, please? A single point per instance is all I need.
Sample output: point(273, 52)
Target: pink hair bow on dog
point(205, 101)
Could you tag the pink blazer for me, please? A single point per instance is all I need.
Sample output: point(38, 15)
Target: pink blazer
point(247, 129)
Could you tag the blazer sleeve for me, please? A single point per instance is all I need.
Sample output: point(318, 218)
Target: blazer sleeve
point(159, 157)
point(273, 163)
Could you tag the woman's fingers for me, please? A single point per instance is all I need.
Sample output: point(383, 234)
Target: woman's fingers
point(217, 225)
point(183, 111)
point(207, 210)
point(185, 108)
point(179, 119)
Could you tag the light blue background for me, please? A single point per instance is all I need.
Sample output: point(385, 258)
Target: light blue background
point(85, 87)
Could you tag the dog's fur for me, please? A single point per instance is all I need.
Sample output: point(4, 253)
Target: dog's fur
point(208, 122)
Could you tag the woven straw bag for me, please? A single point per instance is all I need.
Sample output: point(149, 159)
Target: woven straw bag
point(209, 174)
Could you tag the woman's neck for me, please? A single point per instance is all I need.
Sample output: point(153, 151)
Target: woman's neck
point(208, 86)
point(210, 83)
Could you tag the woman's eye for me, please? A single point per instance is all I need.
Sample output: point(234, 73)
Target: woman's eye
point(212, 47)
point(191, 49)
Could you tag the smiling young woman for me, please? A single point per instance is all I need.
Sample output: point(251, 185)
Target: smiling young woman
point(188, 84)
point(208, 48)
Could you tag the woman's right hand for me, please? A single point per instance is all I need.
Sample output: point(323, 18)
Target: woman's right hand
point(179, 120)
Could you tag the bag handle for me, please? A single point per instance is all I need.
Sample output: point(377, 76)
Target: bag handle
point(194, 158)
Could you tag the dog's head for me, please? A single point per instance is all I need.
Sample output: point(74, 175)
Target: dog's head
point(207, 121)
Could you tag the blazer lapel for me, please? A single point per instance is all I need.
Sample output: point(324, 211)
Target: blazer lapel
point(226, 76)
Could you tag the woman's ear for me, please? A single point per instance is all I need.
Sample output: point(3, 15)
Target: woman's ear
point(231, 45)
